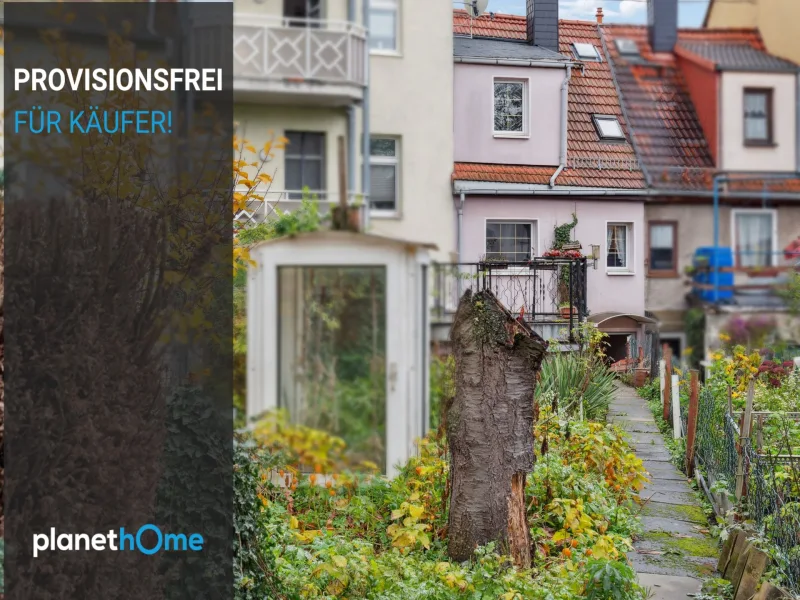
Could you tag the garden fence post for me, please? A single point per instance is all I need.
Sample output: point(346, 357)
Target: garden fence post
point(744, 440)
point(667, 383)
point(676, 407)
point(730, 401)
point(760, 433)
point(691, 428)
point(662, 370)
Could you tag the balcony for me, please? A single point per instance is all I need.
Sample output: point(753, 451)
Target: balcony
point(719, 278)
point(298, 61)
point(548, 293)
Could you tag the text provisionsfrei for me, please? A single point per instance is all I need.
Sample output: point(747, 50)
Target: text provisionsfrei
point(101, 80)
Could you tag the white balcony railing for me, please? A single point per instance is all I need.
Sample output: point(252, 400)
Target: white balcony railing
point(315, 50)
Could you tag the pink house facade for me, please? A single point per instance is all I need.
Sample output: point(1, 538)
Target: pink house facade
point(540, 140)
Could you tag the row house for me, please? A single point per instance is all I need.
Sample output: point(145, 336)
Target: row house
point(315, 71)
point(545, 171)
point(713, 118)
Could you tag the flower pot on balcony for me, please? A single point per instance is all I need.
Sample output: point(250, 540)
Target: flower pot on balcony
point(566, 311)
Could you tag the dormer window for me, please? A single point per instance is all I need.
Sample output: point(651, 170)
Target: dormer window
point(608, 127)
point(586, 52)
point(627, 47)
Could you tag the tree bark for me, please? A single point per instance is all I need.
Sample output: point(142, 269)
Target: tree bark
point(490, 428)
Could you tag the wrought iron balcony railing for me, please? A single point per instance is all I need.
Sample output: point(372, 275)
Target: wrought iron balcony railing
point(547, 292)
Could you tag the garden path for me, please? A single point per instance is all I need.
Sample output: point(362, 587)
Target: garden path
point(675, 550)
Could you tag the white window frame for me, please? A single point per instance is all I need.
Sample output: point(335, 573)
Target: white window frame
point(597, 57)
point(534, 223)
point(629, 249)
point(387, 160)
point(392, 5)
point(526, 109)
point(755, 211)
point(597, 118)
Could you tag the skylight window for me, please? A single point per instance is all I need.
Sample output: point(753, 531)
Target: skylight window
point(627, 47)
point(608, 127)
point(586, 51)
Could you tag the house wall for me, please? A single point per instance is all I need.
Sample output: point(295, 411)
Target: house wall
point(776, 20)
point(735, 156)
point(621, 293)
point(411, 97)
point(667, 296)
point(335, 10)
point(703, 87)
point(260, 123)
point(474, 116)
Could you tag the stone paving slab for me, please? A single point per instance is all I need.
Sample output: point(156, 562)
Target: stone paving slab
point(631, 426)
point(667, 486)
point(667, 587)
point(663, 470)
point(684, 514)
point(664, 497)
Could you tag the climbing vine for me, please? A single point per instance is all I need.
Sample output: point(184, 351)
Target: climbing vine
point(563, 233)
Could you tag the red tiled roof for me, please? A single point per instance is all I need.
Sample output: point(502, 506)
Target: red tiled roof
point(591, 91)
point(665, 127)
point(503, 173)
point(510, 27)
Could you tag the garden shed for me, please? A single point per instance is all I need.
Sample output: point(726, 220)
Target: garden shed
point(338, 336)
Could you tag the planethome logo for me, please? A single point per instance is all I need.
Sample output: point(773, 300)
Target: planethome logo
point(101, 542)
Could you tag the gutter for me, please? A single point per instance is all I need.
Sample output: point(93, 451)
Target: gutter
point(562, 162)
point(461, 186)
point(486, 188)
point(514, 62)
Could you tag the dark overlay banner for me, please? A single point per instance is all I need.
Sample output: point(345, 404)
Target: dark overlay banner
point(118, 300)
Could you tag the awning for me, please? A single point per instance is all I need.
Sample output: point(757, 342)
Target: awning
point(600, 318)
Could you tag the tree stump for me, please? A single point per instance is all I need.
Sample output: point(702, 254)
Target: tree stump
point(490, 428)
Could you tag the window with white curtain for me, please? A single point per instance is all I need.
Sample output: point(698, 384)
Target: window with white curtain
point(754, 238)
point(618, 247)
point(383, 25)
point(384, 166)
point(757, 116)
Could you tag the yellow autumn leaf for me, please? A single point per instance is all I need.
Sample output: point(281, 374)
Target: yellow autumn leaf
point(396, 514)
point(415, 510)
point(294, 523)
point(339, 561)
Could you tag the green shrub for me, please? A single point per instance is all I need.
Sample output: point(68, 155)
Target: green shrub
point(574, 380)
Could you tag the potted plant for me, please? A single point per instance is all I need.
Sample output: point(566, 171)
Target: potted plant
point(566, 309)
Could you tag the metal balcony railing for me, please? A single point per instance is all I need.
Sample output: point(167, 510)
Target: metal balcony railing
point(543, 291)
point(312, 50)
point(755, 278)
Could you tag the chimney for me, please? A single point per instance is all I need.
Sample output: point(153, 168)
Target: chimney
point(542, 23)
point(599, 15)
point(662, 24)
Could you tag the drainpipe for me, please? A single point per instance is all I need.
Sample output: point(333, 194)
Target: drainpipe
point(797, 124)
point(460, 226)
point(365, 180)
point(562, 162)
point(460, 237)
point(351, 119)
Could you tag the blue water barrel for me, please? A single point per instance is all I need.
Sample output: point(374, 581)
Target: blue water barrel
point(714, 257)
